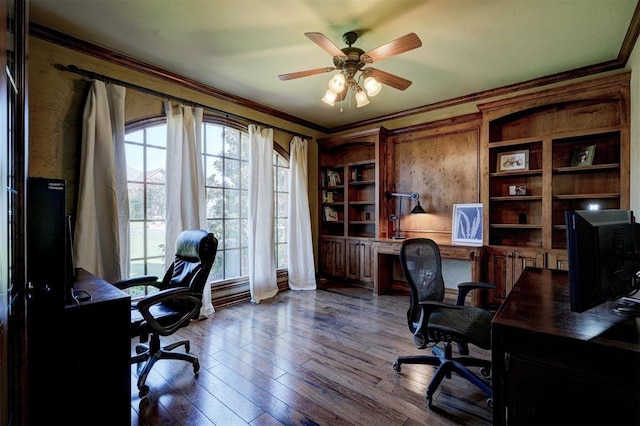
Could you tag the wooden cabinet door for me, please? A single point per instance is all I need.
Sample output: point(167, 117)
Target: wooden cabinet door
point(558, 260)
point(352, 259)
point(504, 267)
point(499, 273)
point(366, 261)
point(523, 259)
point(332, 257)
point(359, 260)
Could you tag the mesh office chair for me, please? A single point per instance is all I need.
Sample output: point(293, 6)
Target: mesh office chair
point(174, 305)
point(432, 321)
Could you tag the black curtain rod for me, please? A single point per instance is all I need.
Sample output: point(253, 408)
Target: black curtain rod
point(90, 74)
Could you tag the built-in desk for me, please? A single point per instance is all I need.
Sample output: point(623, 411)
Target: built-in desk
point(386, 250)
point(79, 358)
point(554, 366)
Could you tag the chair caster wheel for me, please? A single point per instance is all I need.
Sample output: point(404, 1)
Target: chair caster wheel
point(490, 403)
point(486, 372)
point(396, 367)
point(143, 391)
point(196, 366)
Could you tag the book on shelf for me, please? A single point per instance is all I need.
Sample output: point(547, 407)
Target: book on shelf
point(327, 197)
point(331, 178)
point(330, 214)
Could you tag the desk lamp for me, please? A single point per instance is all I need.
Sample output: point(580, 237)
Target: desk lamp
point(416, 210)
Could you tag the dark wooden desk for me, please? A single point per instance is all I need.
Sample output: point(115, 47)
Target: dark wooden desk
point(554, 366)
point(79, 359)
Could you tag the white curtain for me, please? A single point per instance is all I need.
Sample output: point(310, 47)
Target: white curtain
point(101, 231)
point(300, 245)
point(262, 264)
point(185, 196)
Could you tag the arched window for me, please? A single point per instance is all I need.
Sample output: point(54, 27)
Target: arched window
point(226, 170)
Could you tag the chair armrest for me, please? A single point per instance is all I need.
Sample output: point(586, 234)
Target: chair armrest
point(137, 281)
point(170, 294)
point(426, 309)
point(465, 288)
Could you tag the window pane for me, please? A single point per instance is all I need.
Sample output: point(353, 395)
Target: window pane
point(213, 136)
point(232, 263)
point(231, 203)
point(282, 256)
point(245, 261)
point(217, 270)
point(157, 135)
point(282, 205)
point(156, 162)
point(231, 173)
point(136, 201)
point(231, 234)
point(244, 141)
point(155, 202)
point(137, 136)
point(136, 241)
point(244, 225)
point(216, 227)
point(214, 203)
point(213, 171)
point(135, 162)
point(155, 239)
point(282, 179)
point(156, 267)
point(231, 143)
point(281, 231)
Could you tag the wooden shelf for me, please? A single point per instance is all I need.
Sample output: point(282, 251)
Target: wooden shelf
point(584, 196)
point(516, 173)
point(514, 226)
point(587, 169)
point(517, 198)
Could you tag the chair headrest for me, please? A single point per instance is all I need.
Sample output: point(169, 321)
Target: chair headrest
point(196, 244)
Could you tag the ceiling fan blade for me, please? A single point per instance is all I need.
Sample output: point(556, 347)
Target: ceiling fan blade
point(322, 41)
point(393, 48)
point(388, 79)
point(292, 75)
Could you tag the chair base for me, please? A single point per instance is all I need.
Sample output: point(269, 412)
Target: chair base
point(154, 352)
point(446, 364)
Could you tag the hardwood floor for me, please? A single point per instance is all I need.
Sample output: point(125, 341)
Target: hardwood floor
point(305, 357)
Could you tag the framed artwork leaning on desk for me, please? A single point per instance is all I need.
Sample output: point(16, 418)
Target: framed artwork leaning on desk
point(467, 224)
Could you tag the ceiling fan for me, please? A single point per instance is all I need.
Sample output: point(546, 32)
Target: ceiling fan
point(351, 60)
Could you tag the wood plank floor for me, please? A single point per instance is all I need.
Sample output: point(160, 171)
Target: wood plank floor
point(305, 357)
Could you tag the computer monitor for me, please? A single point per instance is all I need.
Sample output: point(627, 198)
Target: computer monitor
point(604, 260)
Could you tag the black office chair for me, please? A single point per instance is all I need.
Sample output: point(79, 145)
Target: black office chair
point(432, 321)
point(177, 301)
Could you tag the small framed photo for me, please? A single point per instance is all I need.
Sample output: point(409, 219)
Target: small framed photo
point(583, 156)
point(467, 224)
point(514, 160)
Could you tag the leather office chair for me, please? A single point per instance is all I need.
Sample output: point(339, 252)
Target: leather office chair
point(174, 305)
point(433, 322)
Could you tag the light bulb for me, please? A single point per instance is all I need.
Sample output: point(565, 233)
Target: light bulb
point(329, 97)
point(372, 86)
point(361, 99)
point(336, 84)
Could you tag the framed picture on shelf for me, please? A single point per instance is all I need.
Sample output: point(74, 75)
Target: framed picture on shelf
point(583, 156)
point(330, 214)
point(514, 160)
point(467, 224)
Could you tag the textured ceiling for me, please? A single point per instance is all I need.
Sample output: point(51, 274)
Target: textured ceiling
point(241, 46)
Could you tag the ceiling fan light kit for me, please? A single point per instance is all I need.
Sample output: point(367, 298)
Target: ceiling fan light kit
point(351, 62)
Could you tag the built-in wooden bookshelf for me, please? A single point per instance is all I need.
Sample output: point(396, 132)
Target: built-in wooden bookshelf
point(543, 154)
point(349, 198)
